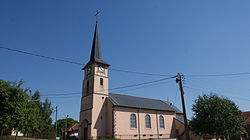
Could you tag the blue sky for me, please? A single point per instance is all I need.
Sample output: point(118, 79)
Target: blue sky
point(163, 37)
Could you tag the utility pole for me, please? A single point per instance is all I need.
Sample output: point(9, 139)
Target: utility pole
point(179, 81)
point(30, 95)
point(66, 127)
point(56, 121)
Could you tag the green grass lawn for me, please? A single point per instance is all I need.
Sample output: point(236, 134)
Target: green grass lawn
point(107, 139)
point(19, 138)
point(25, 138)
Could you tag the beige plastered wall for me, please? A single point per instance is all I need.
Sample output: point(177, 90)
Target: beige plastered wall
point(93, 104)
point(110, 120)
point(99, 110)
point(122, 129)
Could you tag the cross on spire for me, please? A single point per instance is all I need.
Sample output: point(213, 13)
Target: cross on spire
point(96, 15)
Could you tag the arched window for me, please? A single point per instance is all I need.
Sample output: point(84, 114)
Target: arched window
point(132, 121)
point(161, 120)
point(87, 88)
point(148, 121)
point(101, 81)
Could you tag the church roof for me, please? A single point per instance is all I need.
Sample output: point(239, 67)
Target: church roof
point(141, 102)
point(96, 53)
point(180, 118)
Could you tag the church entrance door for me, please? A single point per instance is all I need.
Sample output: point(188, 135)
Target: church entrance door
point(85, 133)
point(85, 129)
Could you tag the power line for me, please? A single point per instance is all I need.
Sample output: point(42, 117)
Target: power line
point(62, 94)
point(139, 84)
point(125, 71)
point(198, 89)
point(141, 73)
point(77, 63)
point(146, 86)
point(218, 75)
point(60, 97)
point(116, 88)
point(41, 56)
point(119, 91)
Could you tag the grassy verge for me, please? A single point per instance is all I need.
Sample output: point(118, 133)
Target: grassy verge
point(107, 139)
point(19, 138)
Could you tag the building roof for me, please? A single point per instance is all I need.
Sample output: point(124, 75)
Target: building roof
point(141, 102)
point(73, 127)
point(246, 117)
point(180, 118)
point(96, 53)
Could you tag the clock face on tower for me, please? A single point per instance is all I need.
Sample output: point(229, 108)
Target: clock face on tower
point(101, 69)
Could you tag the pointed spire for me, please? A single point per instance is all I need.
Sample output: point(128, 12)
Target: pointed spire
point(96, 54)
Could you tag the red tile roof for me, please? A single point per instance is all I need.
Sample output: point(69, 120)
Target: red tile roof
point(73, 127)
point(246, 117)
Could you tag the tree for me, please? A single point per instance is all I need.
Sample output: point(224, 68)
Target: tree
point(13, 100)
point(39, 117)
point(24, 113)
point(4, 96)
point(33, 121)
point(216, 116)
point(46, 112)
point(36, 103)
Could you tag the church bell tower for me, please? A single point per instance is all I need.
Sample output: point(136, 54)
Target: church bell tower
point(94, 92)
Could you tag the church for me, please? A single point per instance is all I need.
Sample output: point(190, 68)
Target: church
point(111, 115)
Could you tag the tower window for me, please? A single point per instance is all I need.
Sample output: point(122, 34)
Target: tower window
point(101, 81)
point(87, 88)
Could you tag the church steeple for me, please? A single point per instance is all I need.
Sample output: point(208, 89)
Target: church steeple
point(96, 54)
